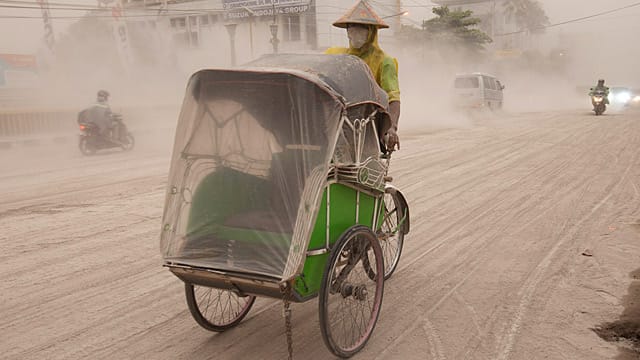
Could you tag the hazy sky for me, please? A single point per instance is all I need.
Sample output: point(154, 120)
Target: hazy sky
point(24, 35)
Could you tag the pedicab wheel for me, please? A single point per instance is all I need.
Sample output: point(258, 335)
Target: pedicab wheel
point(216, 309)
point(391, 234)
point(85, 148)
point(350, 298)
point(129, 142)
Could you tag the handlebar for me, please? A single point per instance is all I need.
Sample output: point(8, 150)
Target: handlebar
point(385, 141)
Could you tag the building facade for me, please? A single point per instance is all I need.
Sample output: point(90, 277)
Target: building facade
point(223, 32)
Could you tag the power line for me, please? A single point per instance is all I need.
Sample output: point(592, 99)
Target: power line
point(131, 13)
point(52, 8)
point(94, 16)
point(156, 11)
point(573, 20)
point(108, 9)
point(38, 4)
point(163, 14)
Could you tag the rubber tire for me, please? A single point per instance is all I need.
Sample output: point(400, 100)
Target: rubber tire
point(131, 142)
point(84, 147)
point(399, 210)
point(204, 322)
point(325, 288)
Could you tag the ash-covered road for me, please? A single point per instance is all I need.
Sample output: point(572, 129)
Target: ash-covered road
point(503, 213)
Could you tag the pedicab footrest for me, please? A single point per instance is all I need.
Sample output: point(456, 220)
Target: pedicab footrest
point(370, 174)
point(249, 284)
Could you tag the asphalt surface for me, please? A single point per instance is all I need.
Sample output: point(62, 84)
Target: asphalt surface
point(525, 230)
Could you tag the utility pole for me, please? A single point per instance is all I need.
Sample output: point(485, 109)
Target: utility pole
point(273, 27)
point(49, 37)
point(251, 16)
point(493, 21)
point(231, 28)
point(398, 10)
point(274, 37)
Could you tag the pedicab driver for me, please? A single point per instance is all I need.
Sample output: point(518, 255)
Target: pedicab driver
point(362, 25)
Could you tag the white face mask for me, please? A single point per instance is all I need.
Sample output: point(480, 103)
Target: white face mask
point(358, 36)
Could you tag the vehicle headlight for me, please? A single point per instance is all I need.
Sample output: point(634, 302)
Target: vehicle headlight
point(623, 97)
point(636, 99)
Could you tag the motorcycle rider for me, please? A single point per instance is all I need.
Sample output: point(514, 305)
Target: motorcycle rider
point(99, 113)
point(362, 25)
point(601, 88)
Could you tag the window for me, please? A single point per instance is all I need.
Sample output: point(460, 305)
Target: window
point(193, 20)
point(204, 20)
point(291, 28)
point(467, 83)
point(489, 83)
point(178, 22)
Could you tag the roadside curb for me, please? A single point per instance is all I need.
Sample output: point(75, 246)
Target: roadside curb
point(56, 139)
point(13, 143)
point(6, 145)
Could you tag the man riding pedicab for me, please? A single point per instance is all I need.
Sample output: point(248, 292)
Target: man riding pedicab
point(362, 24)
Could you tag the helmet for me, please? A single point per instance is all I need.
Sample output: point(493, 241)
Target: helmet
point(363, 14)
point(103, 94)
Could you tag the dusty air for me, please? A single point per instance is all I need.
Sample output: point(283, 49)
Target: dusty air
point(319, 179)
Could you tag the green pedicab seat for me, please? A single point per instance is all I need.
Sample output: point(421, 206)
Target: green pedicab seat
point(243, 221)
point(232, 225)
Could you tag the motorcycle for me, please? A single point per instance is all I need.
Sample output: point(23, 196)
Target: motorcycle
point(598, 102)
point(91, 140)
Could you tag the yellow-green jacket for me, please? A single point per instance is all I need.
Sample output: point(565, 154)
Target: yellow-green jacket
point(383, 67)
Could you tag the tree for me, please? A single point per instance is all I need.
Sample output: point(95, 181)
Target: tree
point(456, 28)
point(528, 14)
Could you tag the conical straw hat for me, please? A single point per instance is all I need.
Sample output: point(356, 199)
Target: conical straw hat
point(361, 13)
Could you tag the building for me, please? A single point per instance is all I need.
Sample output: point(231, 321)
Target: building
point(220, 32)
point(19, 79)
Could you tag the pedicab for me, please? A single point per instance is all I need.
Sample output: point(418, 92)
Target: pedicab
point(278, 188)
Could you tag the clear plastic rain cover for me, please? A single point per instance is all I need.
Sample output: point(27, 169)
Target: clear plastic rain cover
point(249, 165)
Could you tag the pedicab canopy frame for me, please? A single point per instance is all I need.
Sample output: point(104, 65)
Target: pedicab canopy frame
point(253, 149)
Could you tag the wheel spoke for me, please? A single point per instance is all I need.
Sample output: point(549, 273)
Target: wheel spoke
point(217, 309)
point(390, 235)
point(351, 310)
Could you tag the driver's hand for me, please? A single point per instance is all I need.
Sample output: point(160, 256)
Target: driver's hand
point(392, 139)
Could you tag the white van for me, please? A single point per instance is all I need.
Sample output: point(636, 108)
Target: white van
point(478, 90)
